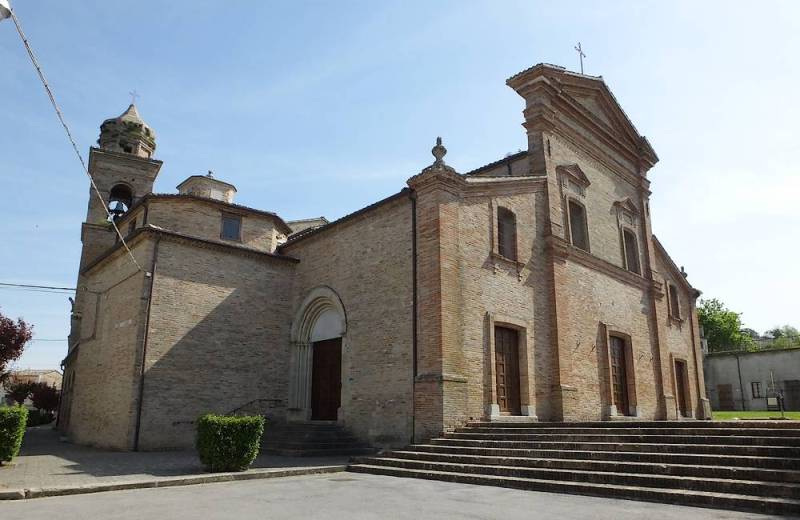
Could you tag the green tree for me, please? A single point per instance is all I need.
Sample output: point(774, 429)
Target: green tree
point(786, 331)
point(722, 327)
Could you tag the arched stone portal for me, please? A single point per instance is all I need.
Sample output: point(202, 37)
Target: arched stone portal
point(320, 325)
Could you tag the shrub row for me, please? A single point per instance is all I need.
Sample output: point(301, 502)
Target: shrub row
point(12, 429)
point(228, 443)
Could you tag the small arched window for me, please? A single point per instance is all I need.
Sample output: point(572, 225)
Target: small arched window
point(631, 250)
point(506, 233)
point(120, 199)
point(578, 228)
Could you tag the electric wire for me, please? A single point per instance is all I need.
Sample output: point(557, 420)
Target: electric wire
point(69, 134)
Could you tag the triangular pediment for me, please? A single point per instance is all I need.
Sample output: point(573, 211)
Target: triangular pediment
point(590, 101)
point(627, 204)
point(574, 172)
point(599, 104)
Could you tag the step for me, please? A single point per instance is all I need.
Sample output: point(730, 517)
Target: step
point(656, 457)
point(710, 449)
point(744, 487)
point(349, 451)
point(768, 505)
point(774, 424)
point(625, 437)
point(734, 432)
point(710, 471)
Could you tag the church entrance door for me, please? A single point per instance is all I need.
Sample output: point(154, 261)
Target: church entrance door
point(619, 376)
point(326, 382)
point(506, 362)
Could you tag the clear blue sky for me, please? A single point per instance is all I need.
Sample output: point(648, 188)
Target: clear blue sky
point(320, 108)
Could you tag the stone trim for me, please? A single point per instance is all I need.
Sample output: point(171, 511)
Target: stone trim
point(225, 206)
point(140, 232)
point(676, 272)
point(560, 248)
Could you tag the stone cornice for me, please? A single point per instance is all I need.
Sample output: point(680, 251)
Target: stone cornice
point(225, 206)
point(551, 86)
point(96, 154)
point(676, 272)
point(562, 249)
point(494, 186)
point(439, 176)
point(152, 231)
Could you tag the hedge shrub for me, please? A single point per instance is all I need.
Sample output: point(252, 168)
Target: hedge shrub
point(228, 443)
point(12, 428)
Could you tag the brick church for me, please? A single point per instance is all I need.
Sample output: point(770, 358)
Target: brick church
point(530, 289)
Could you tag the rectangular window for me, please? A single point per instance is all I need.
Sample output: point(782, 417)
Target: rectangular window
point(579, 232)
point(631, 252)
point(755, 387)
point(506, 233)
point(674, 302)
point(231, 227)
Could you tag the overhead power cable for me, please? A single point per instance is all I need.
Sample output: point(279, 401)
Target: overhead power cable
point(29, 286)
point(67, 130)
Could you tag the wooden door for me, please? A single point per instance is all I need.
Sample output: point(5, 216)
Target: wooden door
point(326, 379)
point(791, 395)
point(506, 362)
point(681, 381)
point(725, 397)
point(619, 377)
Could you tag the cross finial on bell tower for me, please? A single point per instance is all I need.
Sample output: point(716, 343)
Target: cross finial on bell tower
point(134, 95)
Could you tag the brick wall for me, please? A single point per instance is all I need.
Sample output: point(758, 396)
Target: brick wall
point(204, 220)
point(103, 402)
point(367, 262)
point(218, 339)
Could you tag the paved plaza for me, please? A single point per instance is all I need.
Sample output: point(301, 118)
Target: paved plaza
point(47, 463)
point(350, 496)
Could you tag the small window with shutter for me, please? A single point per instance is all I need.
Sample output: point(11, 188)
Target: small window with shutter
point(231, 227)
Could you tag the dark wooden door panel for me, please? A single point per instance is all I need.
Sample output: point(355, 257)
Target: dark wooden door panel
point(619, 379)
point(681, 382)
point(326, 379)
point(506, 356)
point(725, 397)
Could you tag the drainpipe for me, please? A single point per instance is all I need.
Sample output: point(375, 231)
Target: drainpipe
point(741, 386)
point(413, 196)
point(144, 346)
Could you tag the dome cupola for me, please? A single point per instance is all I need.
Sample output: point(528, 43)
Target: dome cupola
point(128, 133)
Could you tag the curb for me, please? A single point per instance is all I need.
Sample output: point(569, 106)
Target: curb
point(20, 494)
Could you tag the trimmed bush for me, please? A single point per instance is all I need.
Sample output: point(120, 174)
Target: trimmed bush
point(12, 428)
point(228, 443)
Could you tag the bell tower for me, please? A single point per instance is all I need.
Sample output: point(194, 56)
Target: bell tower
point(122, 168)
point(123, 171)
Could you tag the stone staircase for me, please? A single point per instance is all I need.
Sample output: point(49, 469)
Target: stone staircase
point(742, 465)
point(311, 439)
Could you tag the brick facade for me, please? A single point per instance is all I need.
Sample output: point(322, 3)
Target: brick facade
point(415, 286)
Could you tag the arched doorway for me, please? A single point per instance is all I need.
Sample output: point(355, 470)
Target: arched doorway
point(318, 335)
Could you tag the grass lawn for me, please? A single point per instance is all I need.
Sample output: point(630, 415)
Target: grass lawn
point(724, 416)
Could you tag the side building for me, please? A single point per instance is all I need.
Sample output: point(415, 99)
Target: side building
point(531, 288)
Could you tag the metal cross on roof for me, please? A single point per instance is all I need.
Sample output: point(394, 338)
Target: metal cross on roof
point(134, 95)
point(581, 55)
